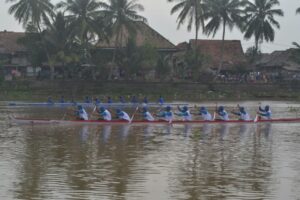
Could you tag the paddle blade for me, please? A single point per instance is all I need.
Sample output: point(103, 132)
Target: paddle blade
point(256, 119)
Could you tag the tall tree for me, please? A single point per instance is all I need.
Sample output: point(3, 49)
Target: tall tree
point(123, 14)
point(86, 21)
point(191, 10)
point(261, 21)
point(33, 11)
point(298, 11)
point(222, 14)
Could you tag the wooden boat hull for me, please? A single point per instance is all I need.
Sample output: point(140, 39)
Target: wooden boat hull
point(141, 122)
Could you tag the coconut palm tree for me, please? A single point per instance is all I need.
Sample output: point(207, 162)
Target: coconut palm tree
point(123, 14)
point(222, 14)
point(34, 11)
point(191, 10)
point(261, 20)
point(298, 11)
point(86, 21)
point(59, 39)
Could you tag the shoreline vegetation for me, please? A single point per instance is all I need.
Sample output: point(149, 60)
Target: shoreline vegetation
point(39, 91)
point(94, 35)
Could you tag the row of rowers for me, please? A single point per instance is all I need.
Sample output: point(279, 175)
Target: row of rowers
point(168, 115)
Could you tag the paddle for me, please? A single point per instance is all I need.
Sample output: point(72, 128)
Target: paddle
point(137, 108)
point(257, 114)
point(214, 117)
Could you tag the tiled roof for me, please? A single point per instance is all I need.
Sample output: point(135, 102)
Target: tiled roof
point(144, 34)
point(233, 52)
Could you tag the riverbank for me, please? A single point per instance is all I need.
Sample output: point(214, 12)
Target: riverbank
point(40, 90)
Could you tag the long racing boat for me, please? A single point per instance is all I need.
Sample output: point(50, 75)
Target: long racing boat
point(142, 122)
point(91, 105)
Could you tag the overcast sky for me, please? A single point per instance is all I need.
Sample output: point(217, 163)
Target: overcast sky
point(158, 14)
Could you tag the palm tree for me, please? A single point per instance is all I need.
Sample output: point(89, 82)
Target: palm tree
point(123, 14)
point(59, 39)
point(298, 11)
point(223, 13)
point(191, 9)
point(34, 11)
point(86, 21)
point(260, 20)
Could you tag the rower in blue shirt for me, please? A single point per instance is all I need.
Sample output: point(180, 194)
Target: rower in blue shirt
point(62, 99)
point(49, 100)
point(166, 115)
point(147, 115)
point(80, 113)
point(161, 100)
point(244, 116)
point(97, 101)
point(109, 100)
point(134, 100)
point(145, 101)
point(122, 115)
point(205, 114)
point(222, 113)
point(265, 112)
point(104, 114)
point(87, 100)
point(122, 99)
point(185, 113)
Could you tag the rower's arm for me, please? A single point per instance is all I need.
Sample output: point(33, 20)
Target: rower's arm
point(236, 113)
point(261, 110)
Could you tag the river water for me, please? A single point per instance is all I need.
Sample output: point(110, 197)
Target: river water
point(245, 161)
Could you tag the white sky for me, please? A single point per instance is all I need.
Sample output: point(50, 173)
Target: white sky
point(158, 14)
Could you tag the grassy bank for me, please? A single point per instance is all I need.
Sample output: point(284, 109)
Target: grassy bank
point(39, 91)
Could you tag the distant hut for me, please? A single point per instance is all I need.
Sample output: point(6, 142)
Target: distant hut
point(280, 64)
point(233, 57)
point(144, 35)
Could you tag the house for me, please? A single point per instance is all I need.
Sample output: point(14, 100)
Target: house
point(233, 56)
point(13, 56)
point(285, 64)
point(143, 35)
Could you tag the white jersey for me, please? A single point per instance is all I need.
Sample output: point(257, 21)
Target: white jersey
point(207, 116)
point(106, 115)
point(245, 117)
point(125, 116)
point(83, 114)
point(225, 116)
point(187, 116)
point(148, 116)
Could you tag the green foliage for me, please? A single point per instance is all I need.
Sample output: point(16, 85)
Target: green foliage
point(260, 17)
point(192, 11)
point(163, 68)
point(194, 61)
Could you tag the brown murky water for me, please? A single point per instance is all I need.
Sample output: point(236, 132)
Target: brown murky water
point(148, 162)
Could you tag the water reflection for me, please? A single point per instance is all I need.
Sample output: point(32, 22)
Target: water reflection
point(225, 161)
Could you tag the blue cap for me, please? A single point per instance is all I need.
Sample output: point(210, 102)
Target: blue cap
point(79, 106)
point(203, 108)
point(102, 109)
point(267, 108)
point(145, 109)
point(185, 108)
point(168, 108)
point(118, 110)
point(221, 108)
